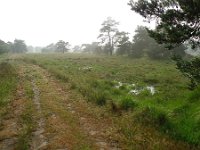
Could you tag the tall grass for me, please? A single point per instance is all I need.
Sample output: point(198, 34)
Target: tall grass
point(8, 82)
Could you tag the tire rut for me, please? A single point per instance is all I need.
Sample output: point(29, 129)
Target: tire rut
point(39, 141)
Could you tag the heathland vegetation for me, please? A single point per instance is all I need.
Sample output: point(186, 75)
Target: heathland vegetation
point(154, 92)
point(148, 82)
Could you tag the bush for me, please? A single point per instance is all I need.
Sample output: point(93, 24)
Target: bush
point(190, 69)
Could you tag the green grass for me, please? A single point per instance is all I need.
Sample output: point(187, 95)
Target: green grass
point(174, 109)
point(8, 82)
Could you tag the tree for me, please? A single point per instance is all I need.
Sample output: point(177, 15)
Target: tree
point(108, 34)
point(49, 48)
point(30, 49)
point(62, 46)
point(178, 21)
point(10, 46)
point(77, 48)
point(3, 47)
point(189, 69)
point(179, 51)
point(19, 46)
point(140, 42)
point(92, 48)
point(144, 44)
point(123, 43)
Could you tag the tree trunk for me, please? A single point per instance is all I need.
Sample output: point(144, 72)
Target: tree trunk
point(110, 43)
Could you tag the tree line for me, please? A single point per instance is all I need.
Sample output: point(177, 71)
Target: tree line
point(112, 41)
point(18, 46)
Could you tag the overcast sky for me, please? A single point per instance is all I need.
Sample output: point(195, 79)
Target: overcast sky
point(41, 22)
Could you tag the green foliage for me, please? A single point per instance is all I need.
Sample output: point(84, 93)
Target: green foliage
point(144, 44)
point(19, 46)
point(49, 48)
point(108, 33)
point(177, 20)
point(190, 69)
point(62, 46)
point(94, 48)
point(3, 47)
point(123, 43)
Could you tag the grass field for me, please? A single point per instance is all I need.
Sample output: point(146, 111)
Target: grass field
point(124, 85)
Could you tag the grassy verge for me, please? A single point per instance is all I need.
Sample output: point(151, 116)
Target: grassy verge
point(26, 118)
point(173, 109)
point(8, 82)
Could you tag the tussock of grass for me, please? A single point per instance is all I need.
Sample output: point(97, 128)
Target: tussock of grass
point(127, 103)
point(152, 116)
